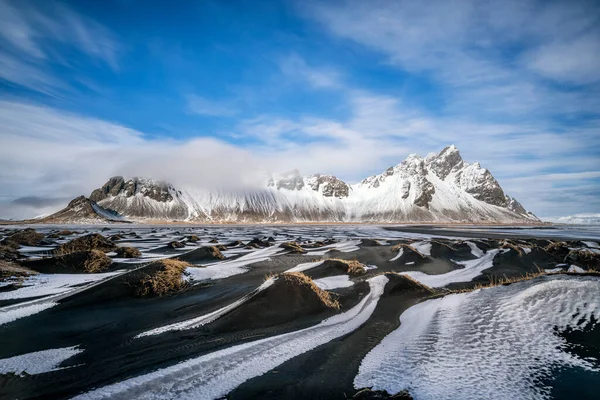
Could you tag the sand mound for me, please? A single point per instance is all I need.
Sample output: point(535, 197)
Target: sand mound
point(93, 241)
point(160, 278)
point(202, 254)
point(258, 243)
point(175, 245)
point(291, 297)
point(128, 252)
point(26, 237)
point(402, 283)
point(450, 250)
point(192, 238)
point(410, 254)
point(370, 243)
point(293, 247)
point(87, 261)
point(351, 267)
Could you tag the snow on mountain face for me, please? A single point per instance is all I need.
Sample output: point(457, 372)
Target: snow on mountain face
point(439, 188)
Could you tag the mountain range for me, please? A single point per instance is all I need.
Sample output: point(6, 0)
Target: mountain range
point(441, 187)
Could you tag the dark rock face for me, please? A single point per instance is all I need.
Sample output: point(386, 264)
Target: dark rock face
point(446, 161)
point(330, 185)
point(111, 188)
point(515, 206)
point(117, 185)
point(425, 193)
point(487, 189)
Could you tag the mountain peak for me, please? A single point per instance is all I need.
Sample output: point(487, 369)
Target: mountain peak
point(446, 161)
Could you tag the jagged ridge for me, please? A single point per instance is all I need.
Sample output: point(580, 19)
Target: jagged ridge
point(439, 188)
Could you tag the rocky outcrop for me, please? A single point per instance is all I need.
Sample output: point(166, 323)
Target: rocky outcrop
point(118, 186)
point(328, 185)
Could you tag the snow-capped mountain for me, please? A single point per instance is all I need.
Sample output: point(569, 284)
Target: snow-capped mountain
point(439, 188)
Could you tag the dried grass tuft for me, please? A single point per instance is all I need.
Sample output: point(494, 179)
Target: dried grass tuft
point(168, 278)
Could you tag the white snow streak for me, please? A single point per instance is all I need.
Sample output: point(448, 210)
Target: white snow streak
point(38, 362)
point(472, 269)
point(334, 282)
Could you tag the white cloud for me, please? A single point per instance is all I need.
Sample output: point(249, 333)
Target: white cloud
point(573, 61)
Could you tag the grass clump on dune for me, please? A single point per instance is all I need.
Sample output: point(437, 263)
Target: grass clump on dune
point(351, 267)
point(304, 282)
point(25, 237)
point(166, 277)
point(128, 252)
point(93, 241)
point(87, 261)
point(293, 247)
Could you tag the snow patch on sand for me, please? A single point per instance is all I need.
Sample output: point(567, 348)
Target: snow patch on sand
point(496, 343)
point(400, 252)
point(37, 362)
point(334, 282)
point(476, 251)
point(49, 284)
point(225, 269)
point(472, 269)
point(345, 246)
point(575, 268)
point(423, 247)
point(305, 266)
point(15, 312)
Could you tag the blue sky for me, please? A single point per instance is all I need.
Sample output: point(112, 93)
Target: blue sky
point(208, 91)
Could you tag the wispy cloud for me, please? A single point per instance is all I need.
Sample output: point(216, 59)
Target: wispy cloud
point(296, 67)
point(203, 106)
point(495, 56)
point(33, 36)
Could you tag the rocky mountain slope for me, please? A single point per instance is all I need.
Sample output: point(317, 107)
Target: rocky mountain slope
point(439, 188)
